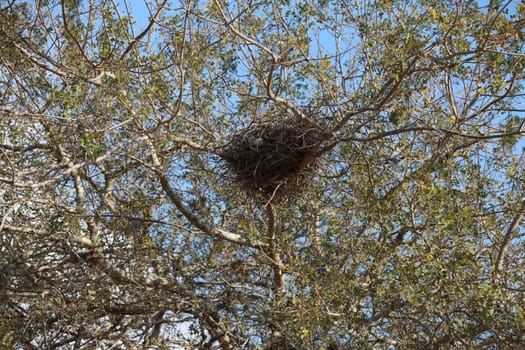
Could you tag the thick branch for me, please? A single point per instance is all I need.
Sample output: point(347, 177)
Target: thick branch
point(278, 276)
point(195, 221)
point(192, 218)
point(508, 236)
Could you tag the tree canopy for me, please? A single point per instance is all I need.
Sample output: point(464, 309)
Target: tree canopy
point(123, 224)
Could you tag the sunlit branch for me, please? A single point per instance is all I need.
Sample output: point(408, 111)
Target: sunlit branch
point(507, 238)
point(192, 218)
point(71, 168)
point(273, 253)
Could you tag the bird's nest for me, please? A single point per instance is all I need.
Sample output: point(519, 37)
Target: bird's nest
point(275, 156)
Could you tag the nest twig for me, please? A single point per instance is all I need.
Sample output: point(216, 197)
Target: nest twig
point(274, 156)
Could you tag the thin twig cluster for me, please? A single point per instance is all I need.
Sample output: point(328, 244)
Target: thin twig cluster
point(274, 156)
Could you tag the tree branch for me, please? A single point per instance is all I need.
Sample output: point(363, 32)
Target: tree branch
point(192, 218)
point(507, 238)
point(278, 276)
point(71, 168)
point(144, 32)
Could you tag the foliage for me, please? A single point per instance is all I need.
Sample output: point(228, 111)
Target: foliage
point(120, 227)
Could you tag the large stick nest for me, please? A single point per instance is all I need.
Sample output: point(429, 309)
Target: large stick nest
point(274, 156)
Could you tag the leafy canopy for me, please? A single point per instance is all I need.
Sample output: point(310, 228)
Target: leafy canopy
point(122, 227)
